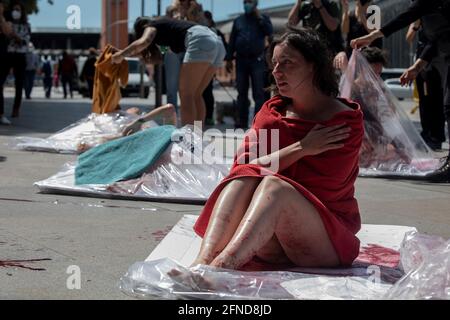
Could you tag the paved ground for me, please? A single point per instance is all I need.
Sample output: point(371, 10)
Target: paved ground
point(104, 237)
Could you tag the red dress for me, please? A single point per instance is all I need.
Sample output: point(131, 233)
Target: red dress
point(326, 180)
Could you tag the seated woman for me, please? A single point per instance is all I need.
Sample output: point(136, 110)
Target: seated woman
point(303, 212)
point(204, 55)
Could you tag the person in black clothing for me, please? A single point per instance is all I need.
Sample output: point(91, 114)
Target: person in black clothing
point(18, 41)
point(247, 45)
point(208, 95)
point(354, 25)
point(88, 72)
point(321, 15)
point(47, 72)
point(204, 55)
point(67, 71)
point(5, 30)
point(429, 88)
point(435, 19)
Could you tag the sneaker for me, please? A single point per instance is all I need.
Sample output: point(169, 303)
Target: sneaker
point(4, 120)
point(442, 174)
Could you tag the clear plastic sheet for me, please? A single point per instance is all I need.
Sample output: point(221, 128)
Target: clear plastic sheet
point(426, 261)
point(392, 145)
point(185, 172)
point(151, 279)
point(79, 136)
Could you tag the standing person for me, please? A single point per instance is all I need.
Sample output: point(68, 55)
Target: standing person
point(246, 45)
point(321, 15)
point(429, 88)
point(208, 94)
point(67, 70)
point(435, 19)
point(354, 25)
point(188, 10)
point(88, 72)
point(204, 55)
point(47, 76)
point(16, 55)
point(5, 30)
point(30, 70)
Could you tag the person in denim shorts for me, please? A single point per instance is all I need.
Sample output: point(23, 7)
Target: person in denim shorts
point(204, 53)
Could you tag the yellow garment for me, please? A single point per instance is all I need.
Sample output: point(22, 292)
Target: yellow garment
point(107, 81)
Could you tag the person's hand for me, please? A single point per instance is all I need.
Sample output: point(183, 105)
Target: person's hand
point(317, 3)
point(340, 61)
point(409, 76)
point(229, 66)
point(366, 40)
point(321, 139)
point(132, 128)
point(117, 58)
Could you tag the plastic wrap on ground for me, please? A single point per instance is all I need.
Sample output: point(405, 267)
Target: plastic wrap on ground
point(426, 261)
point(151, 279)
point(185, 172)
point(79, 136)
point(391, 145)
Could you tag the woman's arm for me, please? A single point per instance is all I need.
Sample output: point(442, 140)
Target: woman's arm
point(318, 140)
point(136, 46)
point(413, 28)
point(345, 24)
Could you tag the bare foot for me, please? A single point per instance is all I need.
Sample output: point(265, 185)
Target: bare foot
point(192, 280)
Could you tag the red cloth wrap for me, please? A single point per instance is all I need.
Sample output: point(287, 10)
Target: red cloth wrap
point(326, 180)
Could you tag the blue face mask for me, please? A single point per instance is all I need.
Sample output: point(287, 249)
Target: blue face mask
point(249, 7)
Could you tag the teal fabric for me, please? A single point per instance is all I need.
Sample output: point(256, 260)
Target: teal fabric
point(124, 158)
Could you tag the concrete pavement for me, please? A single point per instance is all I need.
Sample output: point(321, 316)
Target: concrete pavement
point(104, 237)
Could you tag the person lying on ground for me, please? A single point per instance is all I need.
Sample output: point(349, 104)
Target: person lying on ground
point(164, 115)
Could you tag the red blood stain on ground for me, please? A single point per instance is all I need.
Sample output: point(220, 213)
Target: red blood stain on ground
point(377, 255)
point(158, 235)
point(21, 264)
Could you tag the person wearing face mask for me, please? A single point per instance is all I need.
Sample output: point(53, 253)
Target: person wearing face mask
point(246, 45)
point(5, 31)
point(16, 52)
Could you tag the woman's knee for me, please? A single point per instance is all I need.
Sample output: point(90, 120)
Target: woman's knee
point(274, 184)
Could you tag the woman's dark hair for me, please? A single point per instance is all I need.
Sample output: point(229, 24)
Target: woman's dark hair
point(139, 26)
point(375, 55)
point(24, 17)
point(314, 49)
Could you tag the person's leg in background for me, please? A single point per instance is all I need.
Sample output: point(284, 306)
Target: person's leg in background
point(208, 96)
point(242, 86)
point(172, 65)
point(19, 65)
point(27, 85)
point(64, 85)
point(70, 82)
point(425, 122)
point(90, 84)
point(48, 86)
point(436, 98)
point(257, 76)
point(4, 71)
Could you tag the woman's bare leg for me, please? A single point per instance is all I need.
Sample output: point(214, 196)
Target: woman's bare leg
point(278, 209)
point(191, 77)
point(228, 211)
point(200, 101)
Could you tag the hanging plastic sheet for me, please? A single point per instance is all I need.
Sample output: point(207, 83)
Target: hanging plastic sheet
point(80, 136)
point(186, 172)
point(391, 145)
